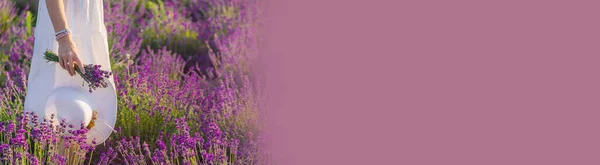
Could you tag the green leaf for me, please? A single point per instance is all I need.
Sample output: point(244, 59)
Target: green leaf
point(3, 58)
point(161, 5)
point(2, 78)
point(153, 8)
point(28, 22)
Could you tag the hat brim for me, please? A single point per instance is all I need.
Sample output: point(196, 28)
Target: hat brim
point(51, 77)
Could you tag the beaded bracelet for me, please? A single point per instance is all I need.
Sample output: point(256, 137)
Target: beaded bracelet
point(61, 34)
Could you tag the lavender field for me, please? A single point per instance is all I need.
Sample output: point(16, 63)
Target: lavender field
point(185, 91)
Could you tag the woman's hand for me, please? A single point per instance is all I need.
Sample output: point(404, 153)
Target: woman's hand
point(67, 52)
point(68, 55)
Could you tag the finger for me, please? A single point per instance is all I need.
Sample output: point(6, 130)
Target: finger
point(80, 65)
point(61, 62)
point(70, 65)
point(67, 65)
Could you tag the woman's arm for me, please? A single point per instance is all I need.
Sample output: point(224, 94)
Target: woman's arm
point(67, 52)
point(56, 11)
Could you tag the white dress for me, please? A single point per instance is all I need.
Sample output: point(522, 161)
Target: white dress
point(85, 19)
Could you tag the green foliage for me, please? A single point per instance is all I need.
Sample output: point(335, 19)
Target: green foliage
point(6, 20)
point(29, 23)
point(2, 78)
point(3, 60)
point(142, 120)
point(20, 6)
point(182, 41)
point(33, 5)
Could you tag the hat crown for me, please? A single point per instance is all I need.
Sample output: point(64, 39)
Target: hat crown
point(70, 104)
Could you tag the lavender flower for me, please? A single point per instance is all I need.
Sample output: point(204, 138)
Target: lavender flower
point(94, 76)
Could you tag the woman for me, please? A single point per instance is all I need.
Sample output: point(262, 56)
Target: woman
point(75, 30)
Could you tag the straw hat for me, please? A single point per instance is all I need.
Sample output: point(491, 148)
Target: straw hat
point(53, 91)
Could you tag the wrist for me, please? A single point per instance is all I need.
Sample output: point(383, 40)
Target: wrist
point(65, 40)
point(62, 34)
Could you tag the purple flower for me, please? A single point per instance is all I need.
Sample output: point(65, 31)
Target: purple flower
point(209, 157)
point(33, 160)
point(94, 76)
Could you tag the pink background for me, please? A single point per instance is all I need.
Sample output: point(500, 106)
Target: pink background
point(434, 82)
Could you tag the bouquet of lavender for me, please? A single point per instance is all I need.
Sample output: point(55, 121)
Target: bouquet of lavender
point(94, 76)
